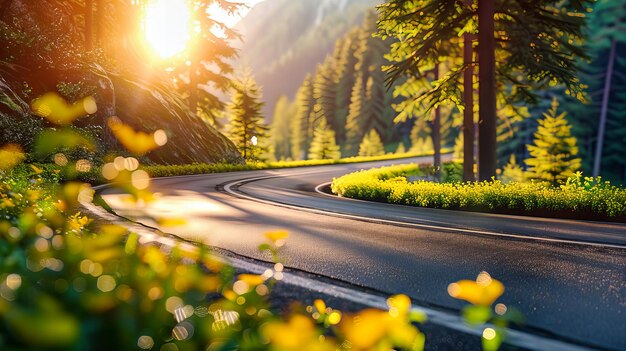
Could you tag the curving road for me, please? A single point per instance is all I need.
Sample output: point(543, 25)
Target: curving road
point(568, 277)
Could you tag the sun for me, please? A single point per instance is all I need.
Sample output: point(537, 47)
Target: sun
point(167, 26)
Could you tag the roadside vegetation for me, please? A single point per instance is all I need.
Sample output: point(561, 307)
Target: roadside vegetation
point(71, 281)
point(578, 197)
point(204, 168)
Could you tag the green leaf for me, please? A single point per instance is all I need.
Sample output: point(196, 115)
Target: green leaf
point(476, 314)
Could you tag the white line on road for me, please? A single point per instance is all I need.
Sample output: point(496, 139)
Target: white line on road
point(444, 319)
point(228, 188)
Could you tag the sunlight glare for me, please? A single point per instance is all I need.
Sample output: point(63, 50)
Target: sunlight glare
point(167, 26)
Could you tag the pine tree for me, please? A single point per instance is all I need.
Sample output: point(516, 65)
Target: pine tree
point(302, 130)
point(323, 146)
point(346, 73)
point(325, 95)
point(372, 114)
point(553, 155)
point(602, 118)
point(208, 62)
point(246, 127)
point(354, 125)
point(512, 172)
point(371, 145)
point(426, 28)
point(280, 129)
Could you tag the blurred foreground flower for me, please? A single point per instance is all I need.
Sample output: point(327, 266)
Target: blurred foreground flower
point(55, 109)
point(10, 156)
point(374, 329)
point(482, 292)
point(137, 142)
point(277, 236)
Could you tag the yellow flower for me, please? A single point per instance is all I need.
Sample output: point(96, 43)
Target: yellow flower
point(277, 235)
point(296, 334)
point(251, 279)
point(54, 108)
point(399, 305)
point(137, 142)
point(366, 329)
point(482, 292)
point(10, 156)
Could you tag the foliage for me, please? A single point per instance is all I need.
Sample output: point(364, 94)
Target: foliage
point(553, 155)
point(67, 282)
point(280, 129)
point(302, 128)
point(579, 198)
point(281, 53)
point(349, 90)
point(246, 128)
point(452, 172)
point(606, 26)
point(512, 172)
point(371, 145)
point(323, 145)
point(204, 168)
point(535, 46)
point(551, 28)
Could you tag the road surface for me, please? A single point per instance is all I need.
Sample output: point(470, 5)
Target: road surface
point(567, 277)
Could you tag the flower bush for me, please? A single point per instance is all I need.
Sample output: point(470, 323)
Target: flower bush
point(580, 197)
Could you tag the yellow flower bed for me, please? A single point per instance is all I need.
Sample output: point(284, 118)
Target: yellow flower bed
point(582, 198)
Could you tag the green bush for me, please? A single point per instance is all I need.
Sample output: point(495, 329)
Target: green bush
point(579, 198)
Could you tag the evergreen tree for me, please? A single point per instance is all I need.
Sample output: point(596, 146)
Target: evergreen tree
point(354, 125)
point(346, 73)
point(207, 64)
point(280, 129)
point(426, 28)
point(323, 146)
point(302, 131)
point(553, 155)
point(600, 125)
point(246, 127)
point(325, 95)
point(512, 172)
point(421, 137)
point(371, 145)
point(373, 114)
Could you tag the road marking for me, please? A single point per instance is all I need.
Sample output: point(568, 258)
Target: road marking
point(228, 188)
point(444, 319)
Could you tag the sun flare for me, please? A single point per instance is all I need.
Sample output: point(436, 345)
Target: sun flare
point(167, 26)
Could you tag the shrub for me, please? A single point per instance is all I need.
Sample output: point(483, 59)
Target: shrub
point(579, 198)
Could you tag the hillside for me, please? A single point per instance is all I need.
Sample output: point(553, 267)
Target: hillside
point(283, 40)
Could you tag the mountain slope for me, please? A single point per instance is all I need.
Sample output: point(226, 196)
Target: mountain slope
point(283, 40)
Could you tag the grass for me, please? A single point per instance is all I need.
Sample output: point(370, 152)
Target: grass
point(578, 198)
point(203, 168)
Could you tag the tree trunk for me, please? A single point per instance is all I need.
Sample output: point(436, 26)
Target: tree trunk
point(487, 144)
point(597, 161)
point(436, 133)
point(468, 114)
point(88, 25)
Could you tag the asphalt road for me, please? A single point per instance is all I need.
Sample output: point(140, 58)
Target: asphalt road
point(567, 277)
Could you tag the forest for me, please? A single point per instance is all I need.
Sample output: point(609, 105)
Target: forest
point(183, 174)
